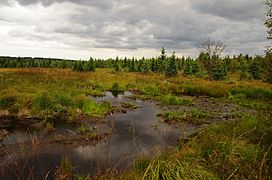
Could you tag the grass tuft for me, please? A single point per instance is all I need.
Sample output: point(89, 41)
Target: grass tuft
point(174, 100)
point(195, 117)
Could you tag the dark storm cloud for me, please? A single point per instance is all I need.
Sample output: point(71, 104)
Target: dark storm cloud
point(150, 24)
point(232, 9)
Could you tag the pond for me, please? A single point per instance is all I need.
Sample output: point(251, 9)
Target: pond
point(134, 133)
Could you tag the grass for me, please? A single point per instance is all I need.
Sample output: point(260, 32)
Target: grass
point(128, 105)
point(262, 103)
point(47, 93)
point(65, 169)
point(254, 93)
point(88, 132)
point(95, 92)
point(174, 100)
point(91, 108)
point(195, 117)
point(231, 150)
point(239, 149)
point(169, 169)
point(117, 88)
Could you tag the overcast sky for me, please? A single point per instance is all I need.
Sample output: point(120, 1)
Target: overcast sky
point(79, 29)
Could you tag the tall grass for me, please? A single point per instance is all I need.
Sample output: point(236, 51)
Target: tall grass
point(232, 150)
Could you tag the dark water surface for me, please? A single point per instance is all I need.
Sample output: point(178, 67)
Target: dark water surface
point(135, 133)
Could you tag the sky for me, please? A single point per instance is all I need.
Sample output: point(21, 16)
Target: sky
point(78, 29)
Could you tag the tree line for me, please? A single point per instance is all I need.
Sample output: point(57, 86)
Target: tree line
point(208, 64)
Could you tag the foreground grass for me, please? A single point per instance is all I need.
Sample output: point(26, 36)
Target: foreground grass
point(233, 150)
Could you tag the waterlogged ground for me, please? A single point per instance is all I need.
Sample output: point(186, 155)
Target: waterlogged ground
point(131, 131)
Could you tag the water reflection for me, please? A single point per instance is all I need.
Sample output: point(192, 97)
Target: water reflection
point(137, 132)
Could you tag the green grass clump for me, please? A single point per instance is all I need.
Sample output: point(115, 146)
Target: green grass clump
point(88, 132)
point(152, 91)
point(174, 100)
point(128, 105)
point(257, 104)
point(65, 169)
point(174, 116)
point(50, 126)
point(44, 101)
point(195, 116)
point(47, 104)
point(254, 93)
point(83, 129)
point(7, 101)
point(131, 86)
point(95, 92)
point(117, 88)
point(175, 169)
point(94, 109)
point(196, 113)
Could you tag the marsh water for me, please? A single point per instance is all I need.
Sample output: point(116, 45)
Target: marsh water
point(135, 133)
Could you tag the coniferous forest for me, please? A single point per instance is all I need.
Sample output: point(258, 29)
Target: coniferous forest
point(255, 68)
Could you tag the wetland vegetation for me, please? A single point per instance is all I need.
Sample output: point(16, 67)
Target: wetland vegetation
point(169, 127)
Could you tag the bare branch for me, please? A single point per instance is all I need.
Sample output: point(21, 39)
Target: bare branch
point(212, 48)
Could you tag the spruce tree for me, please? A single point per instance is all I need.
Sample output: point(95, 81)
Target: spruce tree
point(146, 66)
point(171, 69)
point(132, 65)
point(243, 68)
point(116, 64)
point(187, 68)
point(161, 62)
point(140, 65)
point(195, 68)
point(219, 72)
point(153, 65)
point(255, 70)
point(125, 63)
point(89, 66)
